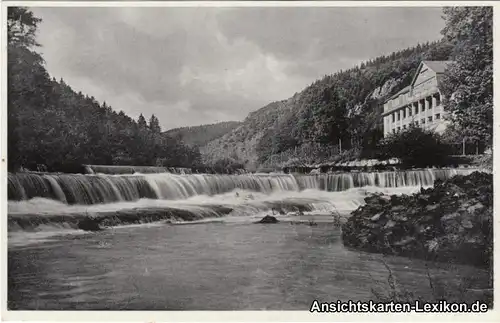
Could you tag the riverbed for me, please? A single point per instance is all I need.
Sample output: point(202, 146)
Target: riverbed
point(210, 266)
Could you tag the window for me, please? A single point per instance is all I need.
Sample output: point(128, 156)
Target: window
point(438, 99)
point(404, 113)
point(393, 117)
point(438, 116)
point(416, 108)
point(429, 101)
point(409, 111)
point(399, 115)
point(429, 118)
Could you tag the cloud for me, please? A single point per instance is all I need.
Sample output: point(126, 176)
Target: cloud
point(193, 65)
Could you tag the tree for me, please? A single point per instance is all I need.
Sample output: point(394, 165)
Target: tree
point(21, 27)
point(28, 83)
point(141, 121)
point(154, 124)
point(330, 116)
point(51, 124)
point(468, 83)
point(415, 147)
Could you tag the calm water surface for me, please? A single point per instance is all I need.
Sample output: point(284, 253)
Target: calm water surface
point(208, 266)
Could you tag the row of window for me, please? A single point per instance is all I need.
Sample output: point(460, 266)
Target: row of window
point(414, 108)
point(422, 122)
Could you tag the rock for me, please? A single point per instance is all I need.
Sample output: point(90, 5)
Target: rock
point(398, 208)
point(376, 217)
point(89, 224)
point(473, 208)
point(466, 223)
point(431, 207)
point(399, 217)
point(404, 241)
point(390, 224)
point(373, 199)
point(450, 216)
point(423, 228)
point(268, 219)
point(453, 222)
point(424, 198)
point(385, 198)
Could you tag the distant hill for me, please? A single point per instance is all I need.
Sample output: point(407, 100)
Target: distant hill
point(307, 127)
point(200, 135)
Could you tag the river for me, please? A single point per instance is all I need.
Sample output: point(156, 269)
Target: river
point(217, 262)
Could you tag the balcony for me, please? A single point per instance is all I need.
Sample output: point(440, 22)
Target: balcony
point(405, 100)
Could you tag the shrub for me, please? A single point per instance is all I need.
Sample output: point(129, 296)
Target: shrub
point(415, 147)
point(227, 165)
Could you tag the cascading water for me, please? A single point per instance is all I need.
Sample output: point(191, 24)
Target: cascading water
point(54, 202)
point(95, 189)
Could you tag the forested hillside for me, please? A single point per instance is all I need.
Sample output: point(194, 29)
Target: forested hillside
point(338, 117)
point(341, 108)
point(51, 124)
point(200, 135)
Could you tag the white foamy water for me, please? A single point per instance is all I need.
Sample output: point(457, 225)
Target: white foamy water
point(246, 207)
point(51, 204)
point(100, 188)
point(321, 200)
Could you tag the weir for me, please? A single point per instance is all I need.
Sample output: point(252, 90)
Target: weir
point(101, 188)
point(117, 169)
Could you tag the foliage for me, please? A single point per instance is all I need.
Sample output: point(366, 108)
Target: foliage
point(485, 162)
point(21, 27)
point(200, 135)
point(415, 147)
point(468, 83)
point(340, 109)
point(50, 124)
point(226, 165)
point(344, 108)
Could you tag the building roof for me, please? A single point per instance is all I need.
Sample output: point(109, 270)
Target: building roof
point(402, 91)
point(437, 66)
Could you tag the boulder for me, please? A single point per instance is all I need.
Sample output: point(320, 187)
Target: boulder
point(89, 224)
point(268, 219)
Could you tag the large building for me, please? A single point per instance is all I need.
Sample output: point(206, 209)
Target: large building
point(419, 103)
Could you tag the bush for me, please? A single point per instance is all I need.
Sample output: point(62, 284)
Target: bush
point(415, 147)
point(227, 165)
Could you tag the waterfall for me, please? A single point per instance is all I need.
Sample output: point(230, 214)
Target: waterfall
point(101, 188)
point(115, 170)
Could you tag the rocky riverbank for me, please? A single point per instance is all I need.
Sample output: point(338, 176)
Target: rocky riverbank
point(97, 220)
point(452, 222)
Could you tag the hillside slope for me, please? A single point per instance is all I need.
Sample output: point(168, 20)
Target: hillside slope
point(52, 127)
point(344, 107)
point(201, 135)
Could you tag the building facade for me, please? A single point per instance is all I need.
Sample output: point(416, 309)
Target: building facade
point(420, 103)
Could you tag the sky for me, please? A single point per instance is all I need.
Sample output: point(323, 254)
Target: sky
point(192, 66)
